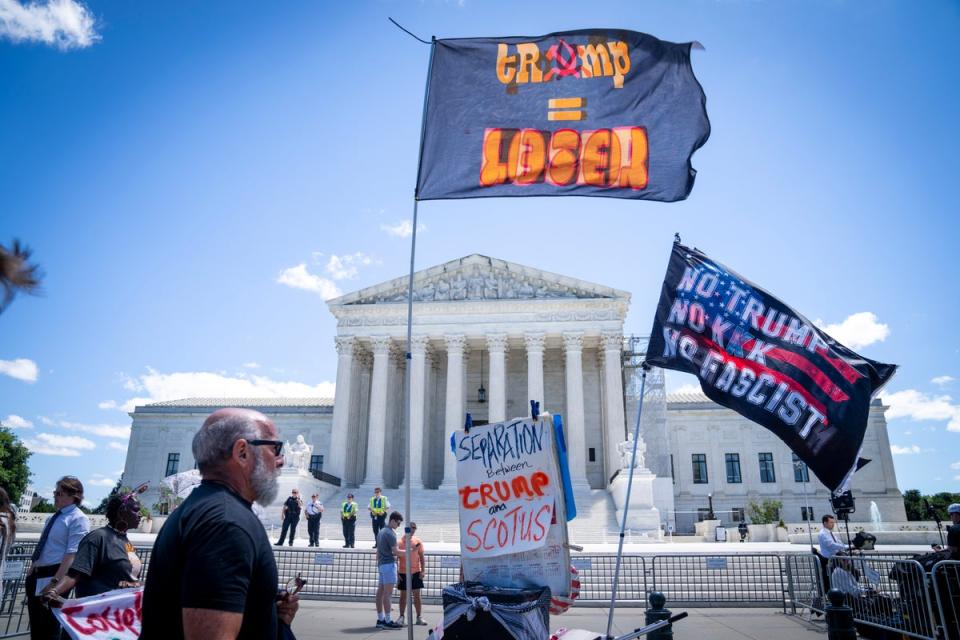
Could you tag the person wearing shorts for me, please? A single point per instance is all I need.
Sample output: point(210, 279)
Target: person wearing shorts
point(418, 569)
point(387, 554)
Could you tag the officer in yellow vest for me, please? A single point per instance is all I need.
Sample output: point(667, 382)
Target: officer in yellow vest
point(379, 505)
point(348, 518)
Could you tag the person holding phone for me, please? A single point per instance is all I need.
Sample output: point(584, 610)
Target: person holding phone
point(213, 573)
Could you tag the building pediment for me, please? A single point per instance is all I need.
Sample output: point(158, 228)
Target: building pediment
point(478, 278)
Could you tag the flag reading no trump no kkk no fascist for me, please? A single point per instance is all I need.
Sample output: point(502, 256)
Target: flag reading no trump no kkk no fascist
point(754, 354)
point(596, 112)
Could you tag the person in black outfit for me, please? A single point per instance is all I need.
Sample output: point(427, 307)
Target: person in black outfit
point(212, 571)
point(291, 517)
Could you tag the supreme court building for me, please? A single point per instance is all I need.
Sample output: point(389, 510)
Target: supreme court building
point(488, 337)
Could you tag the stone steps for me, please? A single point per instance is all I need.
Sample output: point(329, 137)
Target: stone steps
point(437, 518)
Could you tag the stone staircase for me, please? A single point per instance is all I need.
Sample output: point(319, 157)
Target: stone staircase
point(435, 512)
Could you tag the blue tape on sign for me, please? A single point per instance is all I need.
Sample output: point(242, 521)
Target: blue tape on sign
point(453, 443)
point(564, 467)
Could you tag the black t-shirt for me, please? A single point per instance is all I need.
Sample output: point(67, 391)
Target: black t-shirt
point(212, 553)
point(103, 560)
point(293, 507)
point(953, 539)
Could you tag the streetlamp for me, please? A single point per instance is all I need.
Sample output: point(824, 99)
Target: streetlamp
point(481, 392)
point(804, 479)
point(710, 515)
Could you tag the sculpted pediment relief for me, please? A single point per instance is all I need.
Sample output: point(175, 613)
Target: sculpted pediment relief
point(480, 278)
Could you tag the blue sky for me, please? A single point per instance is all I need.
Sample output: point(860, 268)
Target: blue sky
point(195, 178)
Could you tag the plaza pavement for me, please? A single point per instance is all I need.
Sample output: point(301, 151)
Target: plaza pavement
point(318, 620)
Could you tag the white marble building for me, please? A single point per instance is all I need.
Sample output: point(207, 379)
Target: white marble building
point(516, 333)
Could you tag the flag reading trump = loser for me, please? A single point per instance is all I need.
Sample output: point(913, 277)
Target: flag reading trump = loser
point(595, 112)
point(754, 354)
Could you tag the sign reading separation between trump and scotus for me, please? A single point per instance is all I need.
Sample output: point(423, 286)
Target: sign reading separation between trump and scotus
point(757, 356)
point(591, 113)
point(507, 487)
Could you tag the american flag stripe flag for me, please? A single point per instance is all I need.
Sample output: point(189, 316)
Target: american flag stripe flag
point(756, 355)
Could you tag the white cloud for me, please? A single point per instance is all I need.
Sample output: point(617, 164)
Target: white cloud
point(955, 465)
point(159, 387)
point(21, 368)
point(299, 277)
point(403, 229)
point(346, 267)
point(55, 445)
point(104, 430)
point(119, 446)
point(47, 421)
point(251, 365)
point(942, 380)
point(107, 404)
point(897, 450)
point(859, 330)
point(65, 24)
point(16, 422)
point(917, 405)
point(100, 480)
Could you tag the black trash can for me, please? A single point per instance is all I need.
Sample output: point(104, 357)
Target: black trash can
point(472, 611)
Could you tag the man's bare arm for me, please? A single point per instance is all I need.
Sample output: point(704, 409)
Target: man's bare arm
point(210, 624)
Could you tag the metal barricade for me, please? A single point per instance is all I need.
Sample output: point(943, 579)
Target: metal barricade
point(805, 584)
point(885, 593)
point(945, 578)
point(13, 609)
point(721, 580)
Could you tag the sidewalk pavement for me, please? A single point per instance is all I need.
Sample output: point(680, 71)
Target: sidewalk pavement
point(325, 620)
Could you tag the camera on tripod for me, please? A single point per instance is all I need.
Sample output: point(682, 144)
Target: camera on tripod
point(843, 505)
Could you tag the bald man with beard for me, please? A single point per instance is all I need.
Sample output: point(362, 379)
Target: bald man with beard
point(212, 574)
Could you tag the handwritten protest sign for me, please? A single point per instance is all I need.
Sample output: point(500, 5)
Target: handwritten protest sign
point(506, 488)
point(114, 615)
point(513, 526)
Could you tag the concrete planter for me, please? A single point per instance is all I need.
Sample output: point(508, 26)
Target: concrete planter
point(782, 535)
point(146, 526)
point(763, 532)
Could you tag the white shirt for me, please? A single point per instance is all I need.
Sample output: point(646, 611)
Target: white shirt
point(314, 507)
point(844, 580)
point(829, 545)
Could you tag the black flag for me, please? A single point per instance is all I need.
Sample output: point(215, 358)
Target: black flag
point(754, 354)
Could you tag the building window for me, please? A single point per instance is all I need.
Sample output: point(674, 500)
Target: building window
point(673, 476)
point(173, 464)
point(806, 514)
point(738, 514)
point(733, 468)
point(316, 464)
point(766, 468)
point(702, 514)
point(592, 454)
point(699, 468)
point(800, 471)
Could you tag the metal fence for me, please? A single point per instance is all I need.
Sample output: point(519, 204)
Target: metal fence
point(886, 590)
point(946, 587)
point(721, 580)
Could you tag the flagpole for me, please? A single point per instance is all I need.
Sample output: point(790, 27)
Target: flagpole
point(408, 463)
point(806, 478)
point(626, 506)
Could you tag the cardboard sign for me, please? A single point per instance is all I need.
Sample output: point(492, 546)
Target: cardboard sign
point(513, 523)
point(507, 487)
point(114, 615)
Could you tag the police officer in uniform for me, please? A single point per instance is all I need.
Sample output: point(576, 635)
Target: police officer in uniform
point(348, 517)
point(291, 517)
point(379, 505)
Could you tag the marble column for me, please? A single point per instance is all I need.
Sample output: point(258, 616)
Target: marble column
point(454, 415)
point(377, 434)
point(534, 343)
point(418, 357)
point(497, 347)
point(611, 343)
point(576, 427)
point(337, 456)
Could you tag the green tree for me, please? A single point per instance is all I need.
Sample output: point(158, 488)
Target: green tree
point(14, 471)
point(913, 503)
point(766, 512)
point(101, 509)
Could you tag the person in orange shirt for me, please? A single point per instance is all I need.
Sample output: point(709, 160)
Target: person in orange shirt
point(418, 568)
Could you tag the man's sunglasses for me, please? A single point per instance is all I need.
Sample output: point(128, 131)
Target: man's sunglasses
point(276, 444)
